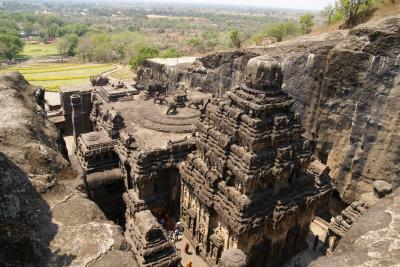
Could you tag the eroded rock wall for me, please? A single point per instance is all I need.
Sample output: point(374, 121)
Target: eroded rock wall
point(346, 86)
point(349, 95)
point(373, 240)
point(45, 219)
point(214, 73)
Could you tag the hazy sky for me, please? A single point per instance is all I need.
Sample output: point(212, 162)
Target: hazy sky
point(294, 4)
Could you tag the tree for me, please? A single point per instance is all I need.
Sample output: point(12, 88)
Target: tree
point(145, 52)
point(84, 48)
point(8, 26)
point(67, 45)
point(127, 44)
point(328, 12)
point(171, 53)
point(76, 28)
point(51, 24)
point(235, 38)
point(306, 23)
point(196, 44)
point(281, 30)
point(211, 39)
point(10, 45)
point(351, 9)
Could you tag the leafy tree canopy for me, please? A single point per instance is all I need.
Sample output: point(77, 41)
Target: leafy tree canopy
point(145, 52)
point(306, 23)
point(282, 30)
point(171, 53)
point(10, 46)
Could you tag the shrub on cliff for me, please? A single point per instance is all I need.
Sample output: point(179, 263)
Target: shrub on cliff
point(143, 54)
point(306, 23)
point(171, 53)
point(279, 31)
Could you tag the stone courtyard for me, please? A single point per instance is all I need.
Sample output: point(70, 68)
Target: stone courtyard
point(134, 146)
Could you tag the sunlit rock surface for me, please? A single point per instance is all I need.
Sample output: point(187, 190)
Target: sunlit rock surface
point(44, 219)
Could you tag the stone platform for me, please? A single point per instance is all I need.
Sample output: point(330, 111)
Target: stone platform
point(151, 126)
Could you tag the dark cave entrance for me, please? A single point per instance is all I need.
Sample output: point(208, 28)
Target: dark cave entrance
point(332, 207)
point(167, 186)
point(109, 199)
point(336, 204)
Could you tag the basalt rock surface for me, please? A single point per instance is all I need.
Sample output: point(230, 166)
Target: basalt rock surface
point(373, 240)
point(44, 219)
point(346, 86)
point(349, 94)
point(214, 73)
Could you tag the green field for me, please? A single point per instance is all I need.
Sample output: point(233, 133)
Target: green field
point(53, 76)
point(32, 51)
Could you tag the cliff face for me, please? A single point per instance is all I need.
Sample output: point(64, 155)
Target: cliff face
point(373, 240)
point(346, 86)
point(45, 220)
point(348, 93)
point(214, 73)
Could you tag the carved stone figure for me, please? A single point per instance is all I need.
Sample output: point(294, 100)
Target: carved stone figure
point(99, 80)
point(160, 99)
point(198, 103)
point(172, 106)
point(341, 224)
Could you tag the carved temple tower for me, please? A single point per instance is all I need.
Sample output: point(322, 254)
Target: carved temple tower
point(251, 184)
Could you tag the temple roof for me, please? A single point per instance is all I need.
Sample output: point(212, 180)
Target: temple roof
point(148, 123)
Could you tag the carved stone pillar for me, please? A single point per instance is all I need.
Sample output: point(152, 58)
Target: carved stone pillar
point(76, 104)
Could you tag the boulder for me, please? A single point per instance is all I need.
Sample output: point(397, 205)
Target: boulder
point(382, 188)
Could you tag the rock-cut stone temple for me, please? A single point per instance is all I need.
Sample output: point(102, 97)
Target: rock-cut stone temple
point(252, 183)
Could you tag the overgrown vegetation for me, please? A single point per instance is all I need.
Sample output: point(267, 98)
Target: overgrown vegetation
point(349, 10)
point(10, 43)
point(107, 33)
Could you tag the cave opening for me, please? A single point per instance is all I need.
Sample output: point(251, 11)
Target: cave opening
point(109, 199)
point(167, 186)
point(332, 208)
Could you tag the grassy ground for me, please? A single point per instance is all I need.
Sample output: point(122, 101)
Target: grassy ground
point(32, 51)
point(53, 76)
point(125, 73)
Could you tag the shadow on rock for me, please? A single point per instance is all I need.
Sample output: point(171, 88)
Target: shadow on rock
point(26, 227)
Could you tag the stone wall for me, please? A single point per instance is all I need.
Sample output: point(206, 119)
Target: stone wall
point(346, 86)
point(214, 73)
point(349, 94)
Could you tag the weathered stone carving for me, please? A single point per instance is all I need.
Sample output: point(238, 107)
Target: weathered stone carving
point(340, 225)
point(160, 98)
point(99, 80)
point(149, 241)
point(233, 258)
point(247, 186)
point(172, 106)
point(198, 103)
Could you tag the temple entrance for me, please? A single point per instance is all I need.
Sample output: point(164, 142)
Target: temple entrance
point(166, 191)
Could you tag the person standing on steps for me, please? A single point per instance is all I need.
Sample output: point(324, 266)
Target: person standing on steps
point(187, 248)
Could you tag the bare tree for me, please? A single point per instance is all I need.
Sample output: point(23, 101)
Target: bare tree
point(351, 9)
point(329, 11)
